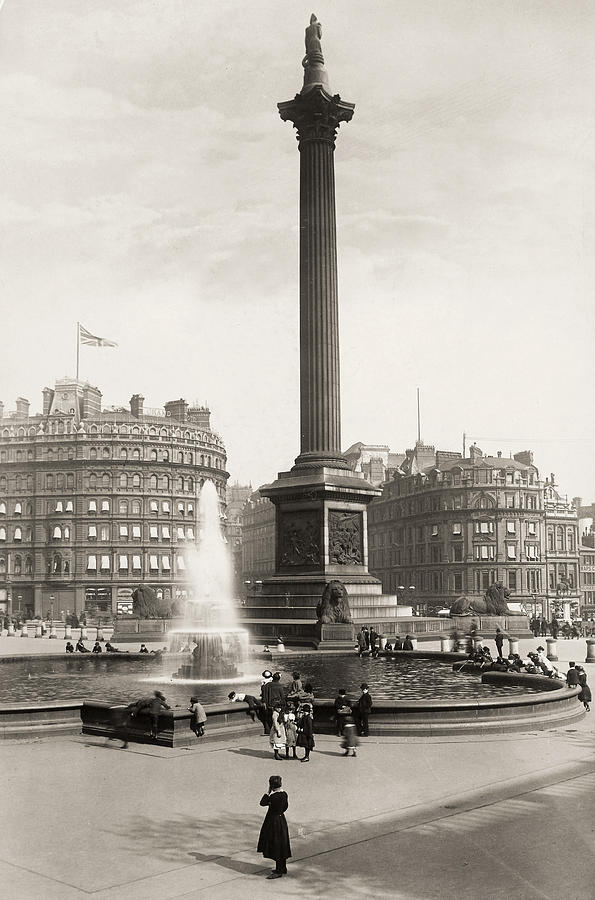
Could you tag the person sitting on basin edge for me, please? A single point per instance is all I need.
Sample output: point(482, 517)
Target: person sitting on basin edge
point(407, 643)
point(97, 648)
point(110, 648)
point(80, 647)
point(69, 647)
point(143, 648)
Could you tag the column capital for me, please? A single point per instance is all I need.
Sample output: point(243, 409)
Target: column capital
point(316, 114)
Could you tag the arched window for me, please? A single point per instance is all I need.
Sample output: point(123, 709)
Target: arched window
point(18, 533)
point(154, 455)
point(189, 458)
point(2, 508)
point(123, 453)
point(2, 533)
point(60, 480)
point(29, 509)
point(165, 482)
point(92, 480)
point(106, 480)
point(166, 456)
point(105, 452)
point(153, 482)
point(570, 540)
point(2, 455)
point(180, 483)
point(136, 453)
point(71, 453)
point(123, 480)
point(28, 565)
point(57, 564)
point(559, 538)
point(2, 565)
point(180, 457)
point(66, 567)
point(19, 483)
point(3, 483)
point(67, 532)
point(29, 482)
point(191, 485)
point(202, 459)
point(136, 481)
point(49, 482)
point(123, 507)
point(18, 565)
point(18, 508)
point(29, 532)
point(93, 453)
point(136, 507)
point(57, 533)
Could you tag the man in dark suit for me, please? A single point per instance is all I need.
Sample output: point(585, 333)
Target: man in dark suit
point(362, 710)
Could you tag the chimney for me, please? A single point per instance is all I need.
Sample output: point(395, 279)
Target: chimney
point(48, 396)
point(499, 454)
point(136, 405)
point(177, 409)
point(577, 502)
point(475, 452)
point(525, 457)
point(22, 408)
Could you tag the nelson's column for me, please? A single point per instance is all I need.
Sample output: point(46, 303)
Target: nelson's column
point(321, 532)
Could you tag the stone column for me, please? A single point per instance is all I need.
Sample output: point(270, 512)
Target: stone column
point(316, 115)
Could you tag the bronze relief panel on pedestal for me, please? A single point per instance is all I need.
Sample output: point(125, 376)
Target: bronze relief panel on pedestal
point(299, 538)
point(345, 538)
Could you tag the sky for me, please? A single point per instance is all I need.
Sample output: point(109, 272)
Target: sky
point(149, 190)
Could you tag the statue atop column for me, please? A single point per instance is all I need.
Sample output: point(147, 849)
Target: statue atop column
point(313, 61)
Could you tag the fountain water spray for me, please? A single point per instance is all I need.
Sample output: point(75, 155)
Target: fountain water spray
point(210, 620)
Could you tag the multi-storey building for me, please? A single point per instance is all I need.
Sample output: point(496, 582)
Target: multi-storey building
point(258, 540)
point(561, 551)
point(237, 495)
point(447, 525)
point(376, 461)
point(94, 502)
point(587, 580)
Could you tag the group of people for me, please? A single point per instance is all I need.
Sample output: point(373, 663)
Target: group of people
point(124, 718)
point(577, 677)
point(568, 630)
point(109, 648)
point(368, 642)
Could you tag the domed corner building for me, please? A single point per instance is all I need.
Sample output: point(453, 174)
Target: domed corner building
point(95, 502)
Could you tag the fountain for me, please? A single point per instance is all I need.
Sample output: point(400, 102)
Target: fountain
point(209, 633)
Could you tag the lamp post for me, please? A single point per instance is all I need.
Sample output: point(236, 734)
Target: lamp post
point(53, 632)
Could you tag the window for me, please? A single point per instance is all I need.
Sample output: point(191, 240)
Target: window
point(2, 565)
point(123, 453)
point(18, 508)
point(165, 482)
point(105, 506)
point(105, 480)
point(124, 531)
point(49, 482)
point(2, 508)
point(180, 533)
point(57, 534)
point(484, 551)
point(105, 452)
point(104, 533)
point(28, 565)
point(93, 453)
point(458, 581)
point(59, 506)
point(512, 579)
point(165, 506)
point(153, 482)
point(511, 551)
point(57, 564)
point(105, 563)
point(92, 533)
point(2, 533)
point(181, 510)
point(190, 508)
point(511, 527)
point(92, 480)
point(165, 563)
point(123, 481)
point(153, 532)
point(91, 563)
point(60, 481)
point(559, 538)
point(509, 501)
point(123, 563)
point(136, 532)
point(66, 533)
point(166, 456)
point(531, 551)
point(571, 540)
point(456, 528)
point(165, 535)
point(190, 533)
point(123, 507)
point(486, 527)
point(154, 506)
point(69, 506)
point(136, 507)
point(92, 506)
point(434, 530)
point(136, 453)
point(136, 564)
point(136, 481)
point(531, 528)
point(154, 455)
point(18, 565)
point(153, 563)
point(457, 552)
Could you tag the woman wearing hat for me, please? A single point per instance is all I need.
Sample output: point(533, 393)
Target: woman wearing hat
point(277, 736)
point(305, 736)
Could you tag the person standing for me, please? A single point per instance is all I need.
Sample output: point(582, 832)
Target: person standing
point(364, 705)
point(199, 717)
point(585, 694)
point(554, 628)
point(155, 706)
point(273, 840)
point(290, 734)
point(361, 641)
point(277, 737)
point(499, 641)
point(342, 710)
point(571, 675)
point(272, 693)
point(305, 737)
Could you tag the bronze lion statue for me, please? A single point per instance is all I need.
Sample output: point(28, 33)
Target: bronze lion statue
point(333, 606)
point(493, 603)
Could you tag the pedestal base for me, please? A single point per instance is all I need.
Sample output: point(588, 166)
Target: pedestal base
point(335, 637)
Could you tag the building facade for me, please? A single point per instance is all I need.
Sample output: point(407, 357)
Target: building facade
point(587, 581)
point(95, 501)
point(258, 541)
point(561, 552)
point(447, 526)
point(237, 495)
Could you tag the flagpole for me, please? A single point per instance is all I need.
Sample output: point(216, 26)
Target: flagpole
point(78, 347)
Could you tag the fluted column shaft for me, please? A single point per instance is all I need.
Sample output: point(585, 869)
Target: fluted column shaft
point(320, 412)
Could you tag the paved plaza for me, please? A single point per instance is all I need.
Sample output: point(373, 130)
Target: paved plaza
point(408, 818)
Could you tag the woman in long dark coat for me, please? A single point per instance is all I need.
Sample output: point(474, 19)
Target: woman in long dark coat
point(273, 841)
point(305, 737)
